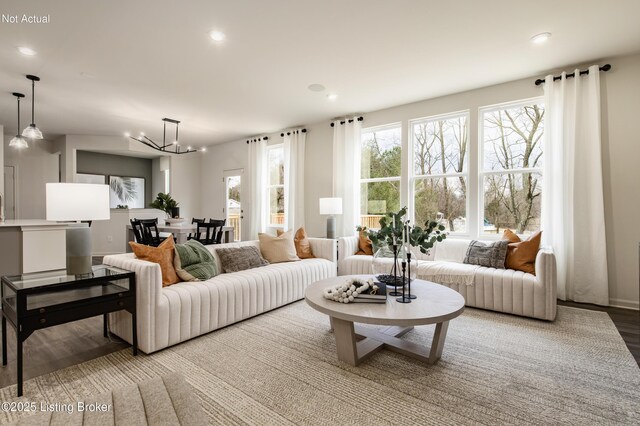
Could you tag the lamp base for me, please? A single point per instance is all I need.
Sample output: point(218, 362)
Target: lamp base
point(331, 227)
point(79, 251)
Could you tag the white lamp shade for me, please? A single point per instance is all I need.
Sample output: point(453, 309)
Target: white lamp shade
point(330, 205)
point(77, 201)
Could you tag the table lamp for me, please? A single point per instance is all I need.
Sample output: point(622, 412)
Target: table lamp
point(75, 202)
point(331, 206)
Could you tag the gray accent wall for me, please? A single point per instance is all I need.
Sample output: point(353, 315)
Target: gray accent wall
point(117, 165)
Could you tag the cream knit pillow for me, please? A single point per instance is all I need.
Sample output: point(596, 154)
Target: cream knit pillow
point(278, 249)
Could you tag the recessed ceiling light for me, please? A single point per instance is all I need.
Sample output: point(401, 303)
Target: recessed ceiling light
point(332, 96)
point(316, 87)
point(204, 150)
point(27, 51)
point(217, 36)
point(540, 38)
point(127, 134)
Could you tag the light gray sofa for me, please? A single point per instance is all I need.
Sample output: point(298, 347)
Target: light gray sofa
point(173, 314)
point(502, 290)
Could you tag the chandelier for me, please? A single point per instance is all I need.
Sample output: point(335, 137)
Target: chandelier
point(172, 147)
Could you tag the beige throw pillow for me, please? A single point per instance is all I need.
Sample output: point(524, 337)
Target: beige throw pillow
point(278, 249)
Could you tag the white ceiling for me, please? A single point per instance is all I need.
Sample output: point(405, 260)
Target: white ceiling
point(113, 66)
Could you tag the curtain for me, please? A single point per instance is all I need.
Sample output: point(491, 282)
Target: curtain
point(294, 145)
point(258, 170)
point(346, 174)
point(573, 204)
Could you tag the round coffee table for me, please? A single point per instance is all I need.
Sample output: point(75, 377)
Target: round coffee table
point(435, 304)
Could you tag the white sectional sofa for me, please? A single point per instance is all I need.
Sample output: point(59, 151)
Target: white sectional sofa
point(173, 314)
point(502, 290)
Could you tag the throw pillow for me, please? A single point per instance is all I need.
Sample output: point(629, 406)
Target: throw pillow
point(301, 241)
point(365, 246)
point(193, 262)
point(236, 259)
point(278, 249)
point(491, 255)
point(162, 255)
point(510, 236)
point(521, 255)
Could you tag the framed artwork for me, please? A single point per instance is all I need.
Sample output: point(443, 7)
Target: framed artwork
point(90, 178)
point(126, 191)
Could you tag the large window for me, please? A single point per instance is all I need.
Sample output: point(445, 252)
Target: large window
point(511, 167)
point(439, 181)
point(275, 187)
point(381, 166)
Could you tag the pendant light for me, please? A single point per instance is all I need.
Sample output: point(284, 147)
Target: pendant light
point(31, 131)
point(18, 142)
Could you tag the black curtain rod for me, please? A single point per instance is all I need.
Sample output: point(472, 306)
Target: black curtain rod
point(294, 132)
point(605, 67)
point(349, 121)
point(258, 139)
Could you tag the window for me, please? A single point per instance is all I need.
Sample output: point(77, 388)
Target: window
point(440, 170)
point(275, 187)
point(511, 167)
point(167, 181)
point(381, 166)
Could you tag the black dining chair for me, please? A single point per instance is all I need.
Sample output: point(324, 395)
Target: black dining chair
point(138, 232)
point(195, 220)
point(208, 233)
point(150, 233)
point(219, 223)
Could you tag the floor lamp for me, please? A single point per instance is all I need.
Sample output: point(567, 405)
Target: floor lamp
point(76, 202)
point(331, 207)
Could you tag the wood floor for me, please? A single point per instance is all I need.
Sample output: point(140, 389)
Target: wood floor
point(65, 345)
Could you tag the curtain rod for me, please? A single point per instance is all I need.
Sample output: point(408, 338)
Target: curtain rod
point(349, 121)
point(295, 132)
point(258, 139)
point(605, 67)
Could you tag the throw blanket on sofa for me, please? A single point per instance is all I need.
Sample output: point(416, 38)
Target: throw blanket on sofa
point(444, 272)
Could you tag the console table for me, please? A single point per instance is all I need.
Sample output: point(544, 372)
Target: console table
point(35, 301)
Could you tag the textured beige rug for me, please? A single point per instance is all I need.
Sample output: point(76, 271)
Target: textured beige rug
point(281, 368)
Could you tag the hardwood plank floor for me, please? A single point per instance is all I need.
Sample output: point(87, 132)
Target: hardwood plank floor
point(627, 322)
point(58, 347)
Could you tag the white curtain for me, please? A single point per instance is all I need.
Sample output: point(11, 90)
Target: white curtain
point(258, 170)
point(573, 205)
point(346, 174)
point(294, 144)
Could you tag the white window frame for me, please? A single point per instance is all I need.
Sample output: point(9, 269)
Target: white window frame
point(481, 171)
point(385, 179)
point(413, 177)
point(269, 186)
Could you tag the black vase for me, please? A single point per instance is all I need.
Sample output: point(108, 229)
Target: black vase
point(175, 212)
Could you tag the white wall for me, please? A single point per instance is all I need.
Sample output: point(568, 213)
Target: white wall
point(621, 151)
point(34, 168)
point(186, 184)
point(2, 138)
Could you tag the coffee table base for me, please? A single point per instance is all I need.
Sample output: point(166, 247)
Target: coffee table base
point(355, 343)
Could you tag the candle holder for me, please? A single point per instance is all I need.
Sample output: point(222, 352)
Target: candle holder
point(409, 295)
point(403, 298)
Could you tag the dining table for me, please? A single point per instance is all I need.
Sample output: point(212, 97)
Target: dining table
point(180, 232)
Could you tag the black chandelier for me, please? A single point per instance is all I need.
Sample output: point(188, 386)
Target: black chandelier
point(168, 148)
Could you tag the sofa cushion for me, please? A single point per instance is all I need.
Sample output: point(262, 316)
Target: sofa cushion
point(489, 254)
point(193, 262)
point(162, 255)
point(234, 259)
point(278, 249)
point(451, 250)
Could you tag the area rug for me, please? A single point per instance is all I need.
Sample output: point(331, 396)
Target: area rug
point(280, 368)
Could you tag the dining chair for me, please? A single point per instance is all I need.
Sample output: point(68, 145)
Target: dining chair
point(138, 232)
point(150, 232)
point(195, 220)
point(208, 233)
point(220, 225)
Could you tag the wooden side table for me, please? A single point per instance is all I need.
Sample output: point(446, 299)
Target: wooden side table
point(35, 301)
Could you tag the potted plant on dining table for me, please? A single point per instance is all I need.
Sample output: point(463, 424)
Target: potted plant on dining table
point(166, 203)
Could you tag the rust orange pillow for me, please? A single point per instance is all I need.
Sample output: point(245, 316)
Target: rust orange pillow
point(162, 255)
point(521, 255)
point(365, 247)
point(301, 241)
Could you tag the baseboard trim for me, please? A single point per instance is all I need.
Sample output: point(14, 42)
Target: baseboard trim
point(625, 304)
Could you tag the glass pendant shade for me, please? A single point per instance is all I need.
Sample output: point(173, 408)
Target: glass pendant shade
point(32, 132)
point(18, 142)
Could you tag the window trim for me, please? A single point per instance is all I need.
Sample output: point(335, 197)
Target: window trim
point(482, 173)
point(413, 177)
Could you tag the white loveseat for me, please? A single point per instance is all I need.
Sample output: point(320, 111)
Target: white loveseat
point(173, 314)
point(502, 290)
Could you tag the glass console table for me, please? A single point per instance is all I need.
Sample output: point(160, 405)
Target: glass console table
point(39, 300)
